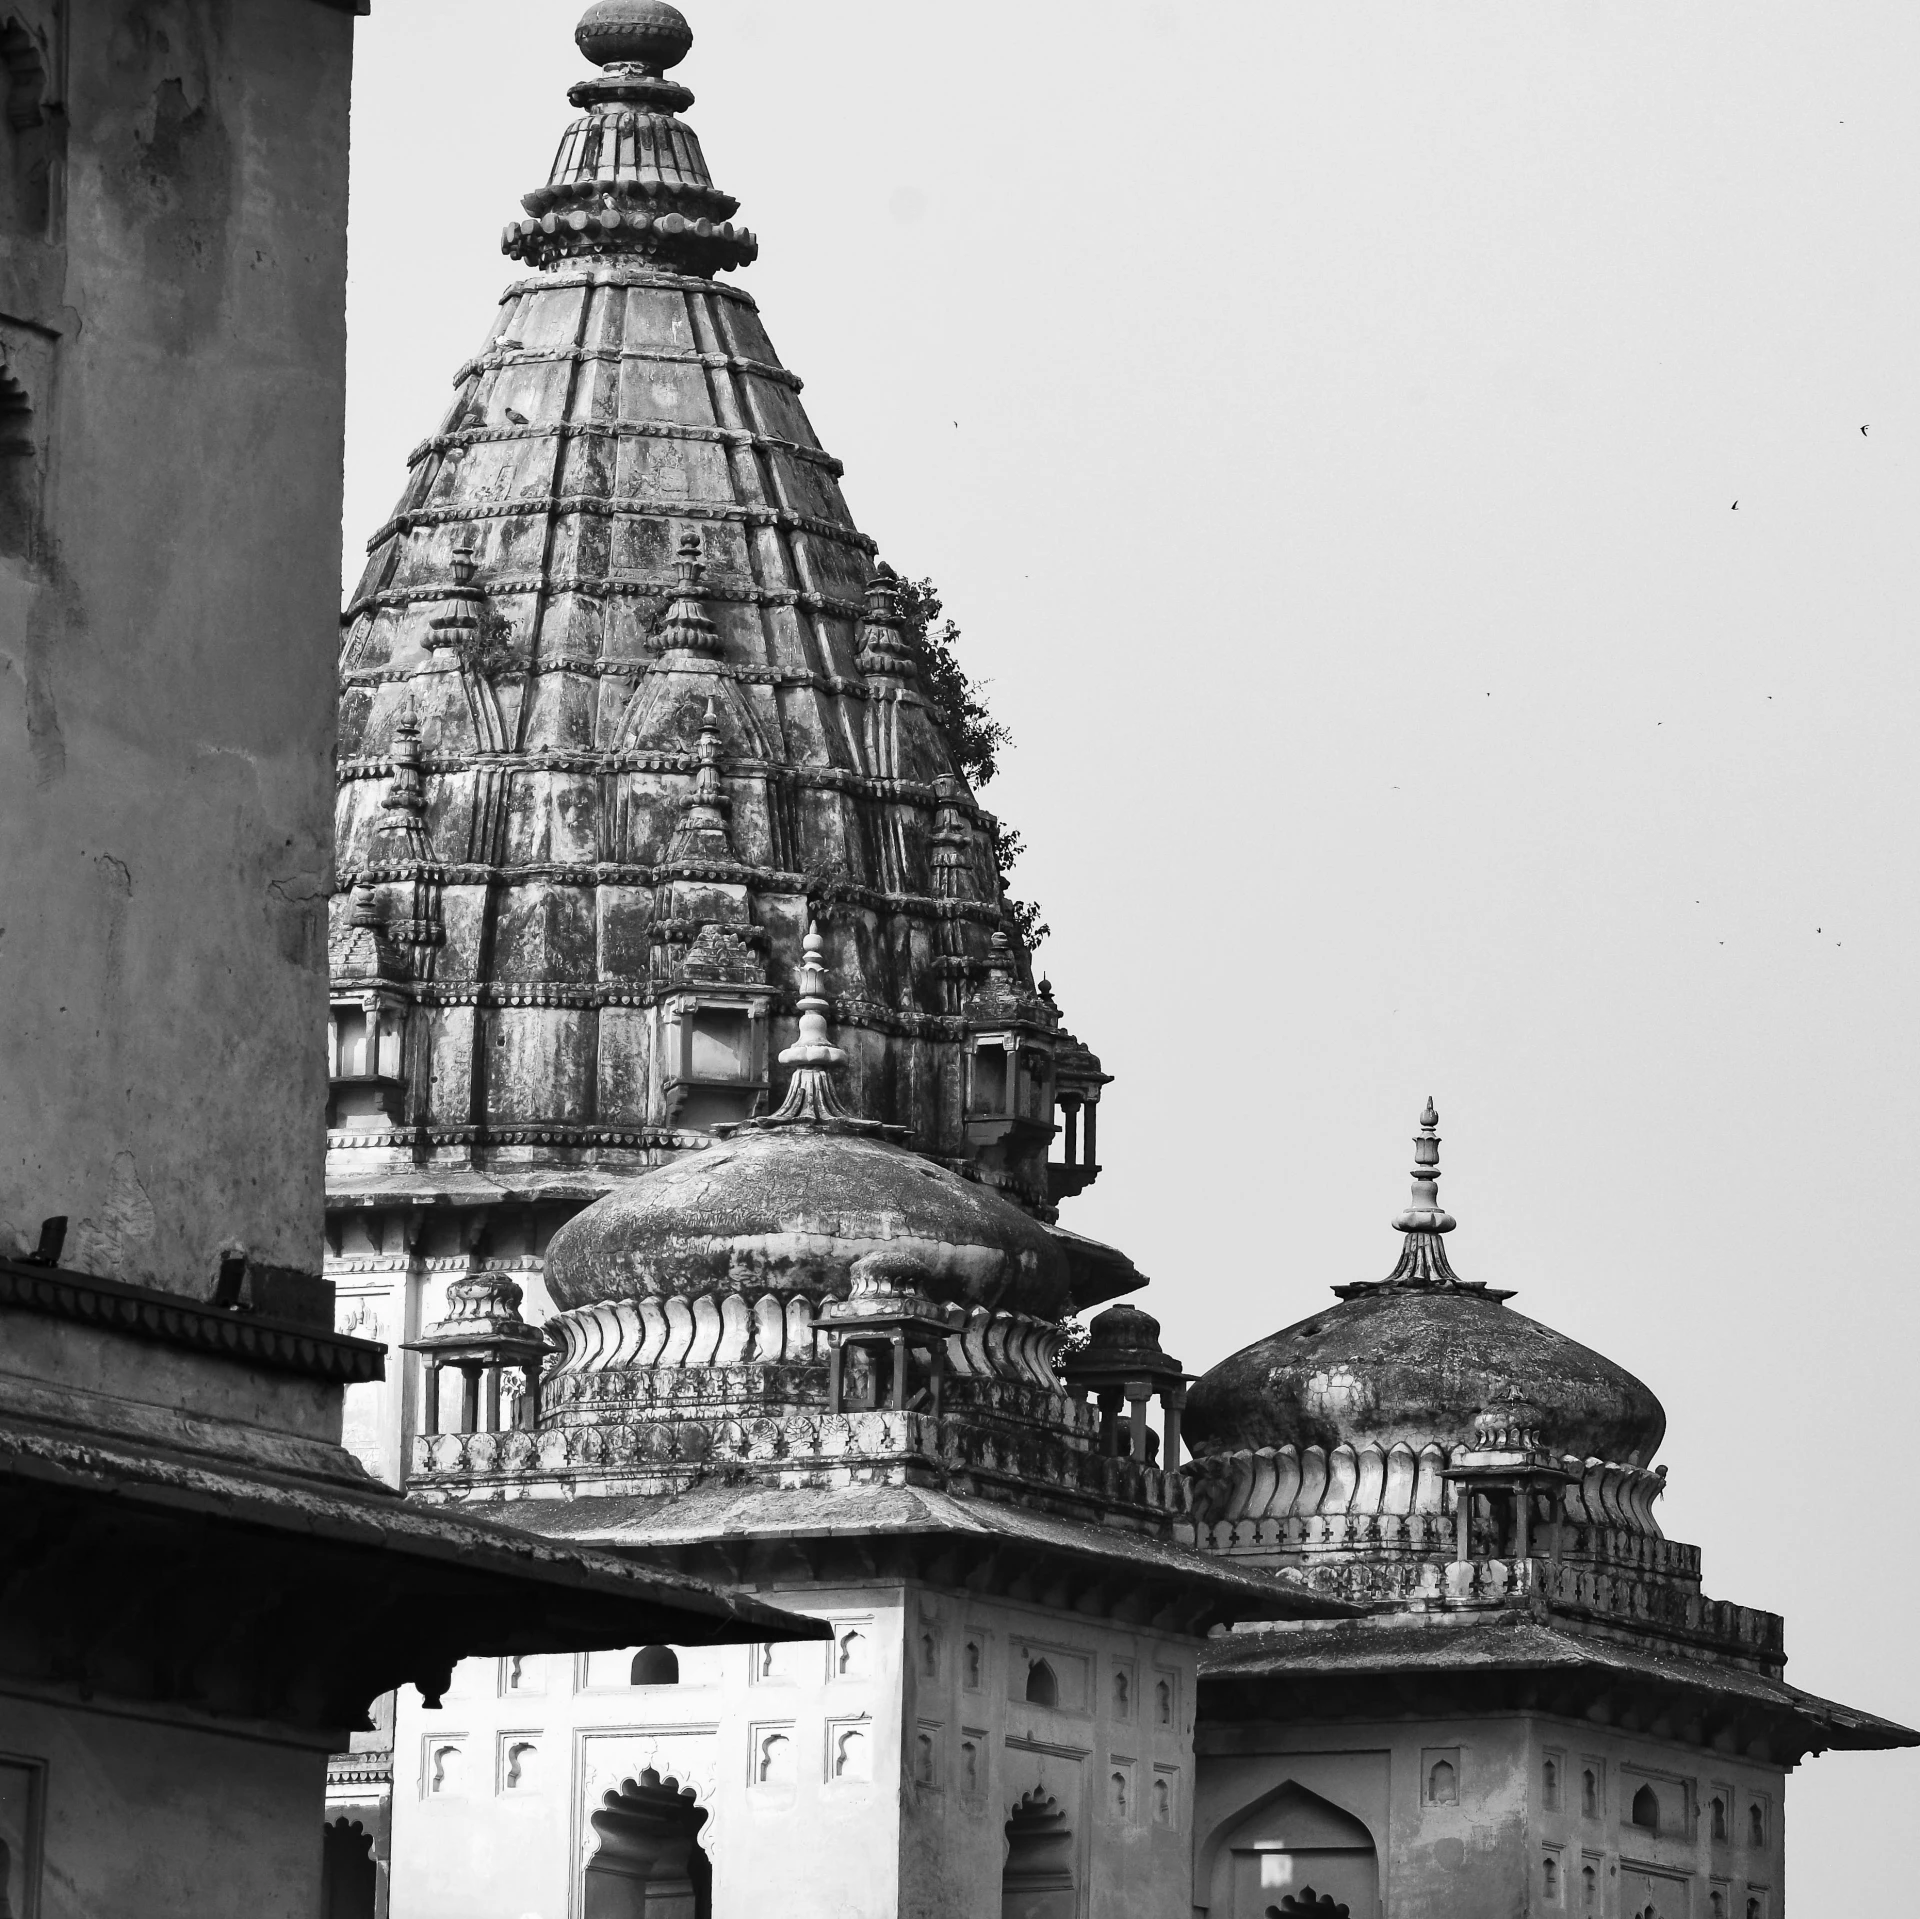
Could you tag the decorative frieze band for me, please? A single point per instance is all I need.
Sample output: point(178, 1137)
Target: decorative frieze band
point(608, 273)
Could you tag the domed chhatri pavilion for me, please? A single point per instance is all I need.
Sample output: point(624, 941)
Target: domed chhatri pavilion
point(693, 1104)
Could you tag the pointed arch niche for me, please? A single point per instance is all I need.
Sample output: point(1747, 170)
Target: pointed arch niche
point(1283, 1844)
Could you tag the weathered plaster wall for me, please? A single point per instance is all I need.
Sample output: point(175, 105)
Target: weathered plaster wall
point(168, 1821)
point(892, 1828)
point(1485, 1853)
point(168, 612)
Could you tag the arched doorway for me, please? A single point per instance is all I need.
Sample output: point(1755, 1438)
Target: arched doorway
point(649, 1864)
point(1037, 1880)
point(1295, 1853)
point(349, 1879)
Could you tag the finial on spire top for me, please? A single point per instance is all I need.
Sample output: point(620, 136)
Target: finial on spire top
point(813, 1056)
point(648, 34)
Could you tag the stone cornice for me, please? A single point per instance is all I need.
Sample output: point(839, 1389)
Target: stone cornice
point(144, 1312)
point(600, 506)
point(612, 273)
point(824, 779)
point(733, 436)
point(613, 356)
point(613, 586)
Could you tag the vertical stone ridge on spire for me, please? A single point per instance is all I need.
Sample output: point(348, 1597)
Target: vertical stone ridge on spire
point(629, 180)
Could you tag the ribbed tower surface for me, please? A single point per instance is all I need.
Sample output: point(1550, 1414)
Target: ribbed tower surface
point(623, 707)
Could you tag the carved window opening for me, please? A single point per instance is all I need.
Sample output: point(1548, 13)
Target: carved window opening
point(1756, 1826)
point(1755, 1910)
point(1443, 1784)
point(929, 1655)
point(1590, 1890)
point(1163, 1701)
point(1117, 1795)
point(923, 1758)
point(1037, 1880)
point(989, 1080)
point(1589, 1794)
point(445, 1765)
point(850, 1754)
point(1717, 1819)
point(773, 1766)
point(969, 1766)
point(1043, 1685)
point(349, 1876)
point(1550, 1785)
point(1646, 1809)
point(1162, 1802)
point(850, 1656)
point(970, 1666)
point(523, 1762)
point(1550, 1881)
point(1322, 1904)
point(655, 1666)
point(1122, 1695)
point(1717, 1904)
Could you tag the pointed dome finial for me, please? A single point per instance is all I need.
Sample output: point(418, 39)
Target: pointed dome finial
point(648, 34)
point(815, 1045)
point(813, 1056)
point(1425, 1215)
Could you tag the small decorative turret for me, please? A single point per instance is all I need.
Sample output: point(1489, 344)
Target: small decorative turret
point(401, 839)
point(685, 627)
point(884, 651)
point(702, 832)
point(630, 180)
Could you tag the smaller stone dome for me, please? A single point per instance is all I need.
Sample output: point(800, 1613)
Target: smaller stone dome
point(1425, 1357)
point(808, 1208)
point(640, 33)
point(813, 1201)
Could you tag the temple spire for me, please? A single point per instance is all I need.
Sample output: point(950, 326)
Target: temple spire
point(702, 832)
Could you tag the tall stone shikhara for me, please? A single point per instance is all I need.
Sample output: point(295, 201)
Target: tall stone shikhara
point(625, 704)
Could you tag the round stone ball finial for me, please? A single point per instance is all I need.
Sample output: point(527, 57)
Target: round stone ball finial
point(639, 33)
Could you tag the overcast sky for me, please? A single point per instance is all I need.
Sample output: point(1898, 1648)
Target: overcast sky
point(1432, 492)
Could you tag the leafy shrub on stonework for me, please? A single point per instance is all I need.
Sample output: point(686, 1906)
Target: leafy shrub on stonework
point(491, 650)
point(974, 737)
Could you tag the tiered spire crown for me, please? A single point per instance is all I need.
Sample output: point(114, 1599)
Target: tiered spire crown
point(630, 179)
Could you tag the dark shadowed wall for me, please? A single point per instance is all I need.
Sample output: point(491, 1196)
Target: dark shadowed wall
point(172, 267)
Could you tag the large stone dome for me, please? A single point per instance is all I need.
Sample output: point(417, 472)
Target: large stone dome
point(800, 1208)
point(1415, 1358)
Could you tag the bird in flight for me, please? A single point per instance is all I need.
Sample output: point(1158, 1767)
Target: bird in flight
point(1863, 433)
point(1736, 506)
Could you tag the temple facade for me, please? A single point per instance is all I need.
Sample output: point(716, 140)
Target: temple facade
point(698, 1125)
